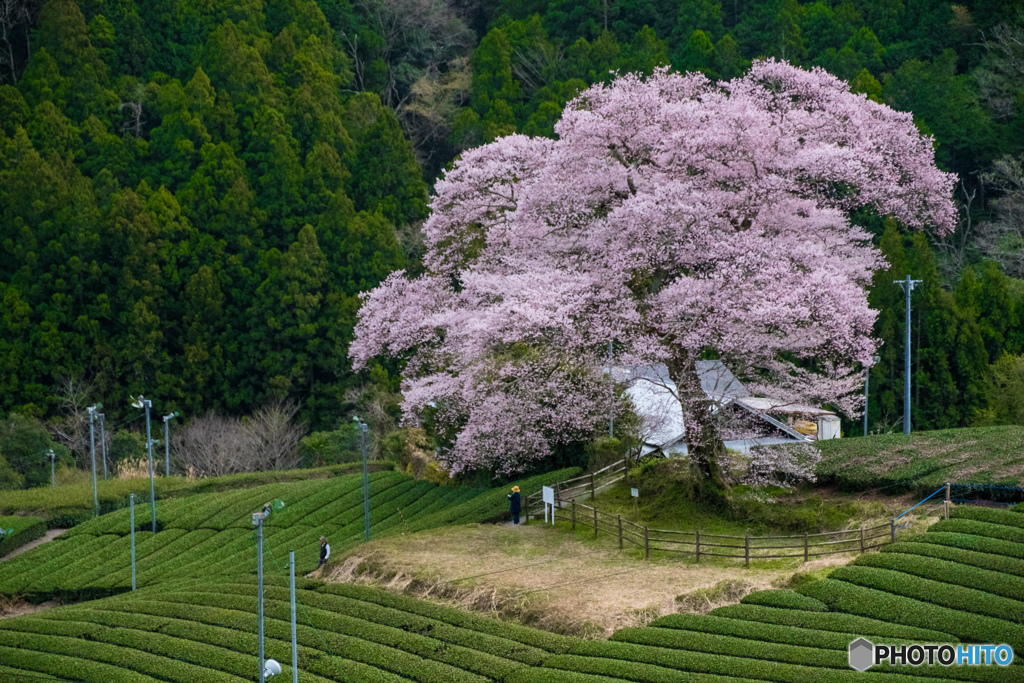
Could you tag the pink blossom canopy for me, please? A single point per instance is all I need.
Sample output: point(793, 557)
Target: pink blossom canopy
point(674, 216)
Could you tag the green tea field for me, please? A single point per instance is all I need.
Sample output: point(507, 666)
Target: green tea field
point(924, 461)
point(194, 619)
point(212, 534)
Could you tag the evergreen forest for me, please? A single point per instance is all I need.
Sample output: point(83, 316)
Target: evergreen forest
point(193, 194)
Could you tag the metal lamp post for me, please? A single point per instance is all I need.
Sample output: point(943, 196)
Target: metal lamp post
point(366, 480)
point(92, 439)
point(141, 402)
point(167, 440)
point(53, 468)
point(867, 381)
point(267, 667)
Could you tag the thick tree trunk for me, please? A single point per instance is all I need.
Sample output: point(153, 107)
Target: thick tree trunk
point(703, 435)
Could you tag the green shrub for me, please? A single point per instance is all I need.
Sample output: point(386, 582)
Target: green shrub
point(841, 596)
point(987, 529)
point(382, 645)
point(830, 621)
point(979, 544)
point(350, 506)
point(26, 571)
point(990, 515)
point(753, 630)
point(405, 622)
point(162, 668)
point(744, 667)
point(22, 530)
point(167, 545)
point(994, 582)
point(549, 642)
point(995, 563)
point(597, 668)
point(65, 667)
point(784, 599)
point(715, 644)
point(938, 593)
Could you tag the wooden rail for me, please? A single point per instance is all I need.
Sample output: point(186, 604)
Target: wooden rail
point(718, 545)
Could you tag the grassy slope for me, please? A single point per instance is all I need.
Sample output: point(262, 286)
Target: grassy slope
point(202, 629)
point(924, 461)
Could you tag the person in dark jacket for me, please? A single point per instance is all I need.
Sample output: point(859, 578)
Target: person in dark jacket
point(513, 503)
point(325, 551)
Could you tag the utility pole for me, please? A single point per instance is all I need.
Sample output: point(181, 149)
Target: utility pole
point(53, 468)
point(366, 480)
point(907, 286)
point(92, 439)
point(103, 445)
point(167, 441)
point(867, 380)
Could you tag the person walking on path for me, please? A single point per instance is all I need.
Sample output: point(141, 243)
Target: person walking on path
point(514, 507)
point(325, 551)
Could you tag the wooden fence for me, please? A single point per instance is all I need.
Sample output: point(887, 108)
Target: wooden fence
point(582, 487)
point(746, 547)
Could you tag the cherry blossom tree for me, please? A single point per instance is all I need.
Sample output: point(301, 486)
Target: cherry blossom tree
point(681, 219)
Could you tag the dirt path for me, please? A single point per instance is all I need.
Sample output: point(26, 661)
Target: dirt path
point(49, 536)
point(553, 579)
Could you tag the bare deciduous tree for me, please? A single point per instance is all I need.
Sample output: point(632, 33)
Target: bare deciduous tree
point(1000, 75)
point(1002, 238)
point(417, 34)
point(16, 17)
point(71, 427)
point(214, 445)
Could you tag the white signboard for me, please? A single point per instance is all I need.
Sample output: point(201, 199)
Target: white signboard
point(549, 499)
point(635, 492)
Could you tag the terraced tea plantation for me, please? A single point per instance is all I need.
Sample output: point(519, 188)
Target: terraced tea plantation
point(924, 461)
point(962, 581)
point(212, 534)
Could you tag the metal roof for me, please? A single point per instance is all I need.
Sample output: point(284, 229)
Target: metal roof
point(654, 397)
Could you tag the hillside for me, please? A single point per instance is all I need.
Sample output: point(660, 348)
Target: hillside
point(962, 581)
point(193, 194)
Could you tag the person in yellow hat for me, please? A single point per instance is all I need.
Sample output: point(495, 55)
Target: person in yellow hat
point(514, 505)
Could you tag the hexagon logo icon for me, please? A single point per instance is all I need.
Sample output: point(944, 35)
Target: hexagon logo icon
point(862, 654)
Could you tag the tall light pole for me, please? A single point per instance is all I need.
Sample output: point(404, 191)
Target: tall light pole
point(92, 438)
point(103, 444)
point(53, 468)
point(867, 381)
point(267, 667)
point(141, 402)
point(907, 286)
point(167, 440)
point(366, 480)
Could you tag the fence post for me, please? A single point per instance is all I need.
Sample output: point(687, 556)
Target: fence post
point(647, 546)
point(595, 522)
point(892, 526)
point(698, 546)
point(574, 514)
point(806, 549)
point(592, 491)
point(620, 532)
point(945, 503)
point(526, 508)
point(862, 539)
point(746, 549)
